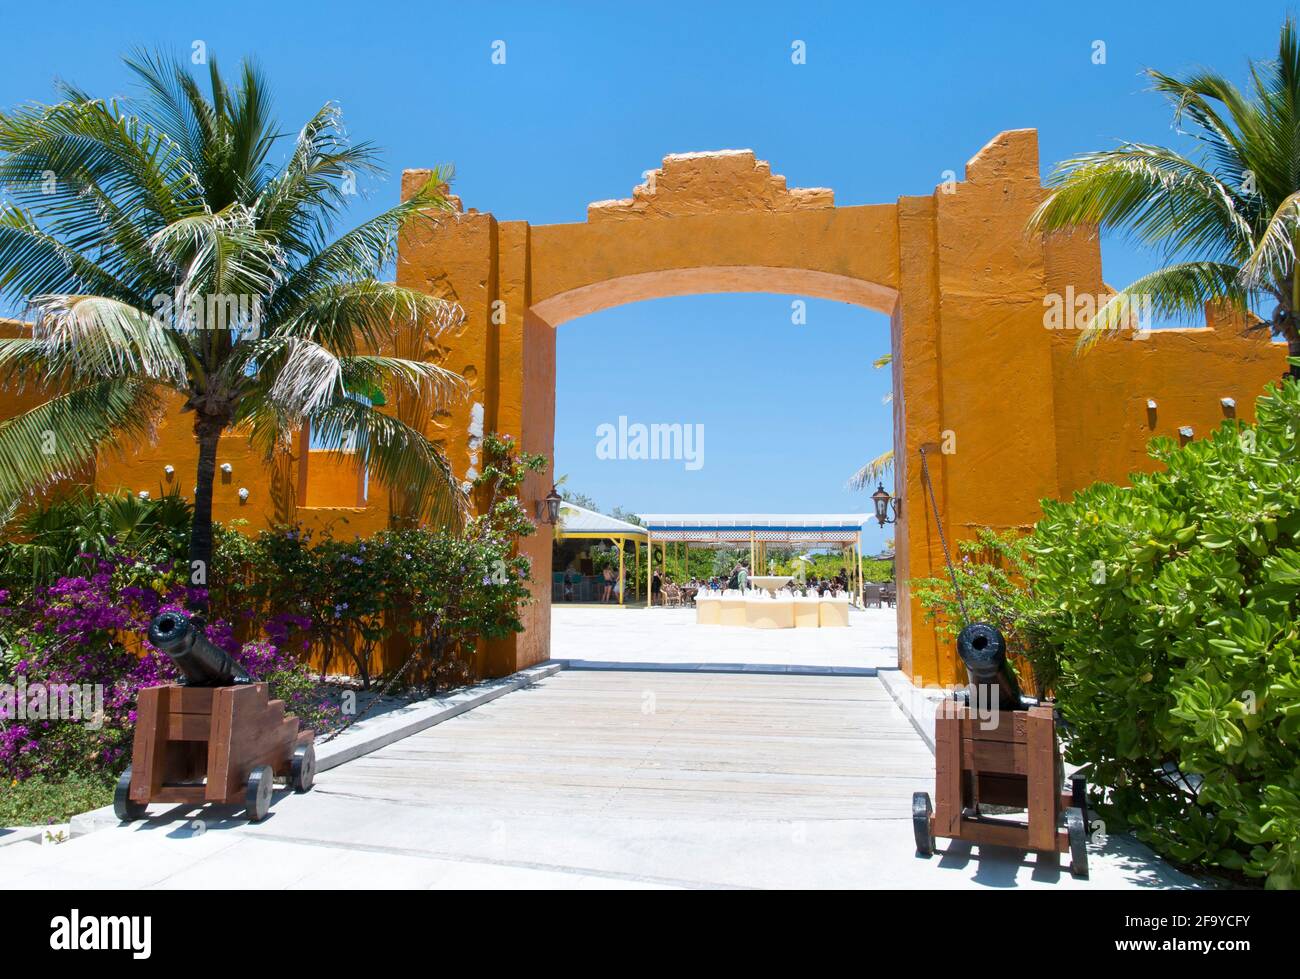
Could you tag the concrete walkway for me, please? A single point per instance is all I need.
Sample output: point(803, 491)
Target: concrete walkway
point(594, 779)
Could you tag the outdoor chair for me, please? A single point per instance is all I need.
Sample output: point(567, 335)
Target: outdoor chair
point(871, 596)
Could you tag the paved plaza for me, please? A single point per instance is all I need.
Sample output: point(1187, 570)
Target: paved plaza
point(635, 634)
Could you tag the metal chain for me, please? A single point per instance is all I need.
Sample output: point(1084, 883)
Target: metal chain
point(943, 540)
point(377, 698)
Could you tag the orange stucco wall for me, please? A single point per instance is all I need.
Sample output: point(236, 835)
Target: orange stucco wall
point(975, 368)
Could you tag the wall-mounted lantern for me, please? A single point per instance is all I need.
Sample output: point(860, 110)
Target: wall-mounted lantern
point(227, 468)
point(243, 494)
point(883, 501)
point(169, 471)
point(548, 509)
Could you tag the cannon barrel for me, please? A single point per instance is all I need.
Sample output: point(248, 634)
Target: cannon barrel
point(984, 651)
point(201, 663)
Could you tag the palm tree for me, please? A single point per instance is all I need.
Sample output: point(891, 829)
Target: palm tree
point(158, 246)
point(878, 468)
point(1226, 220)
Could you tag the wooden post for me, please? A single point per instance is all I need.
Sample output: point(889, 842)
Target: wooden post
point(1044, 793)
point(947, 768)
point(622, 584)
point(861, 586)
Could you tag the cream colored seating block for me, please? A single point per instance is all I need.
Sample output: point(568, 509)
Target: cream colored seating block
point(805, 613)
point(833, 612)
point(733, 611)
point(708, 611)
point(767, 613)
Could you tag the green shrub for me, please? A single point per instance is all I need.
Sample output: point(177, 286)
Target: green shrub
point(995, 573)
point(1172, 609)
point(1164, 616)
point(472, 586)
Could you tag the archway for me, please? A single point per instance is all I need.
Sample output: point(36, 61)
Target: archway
point(974, 367)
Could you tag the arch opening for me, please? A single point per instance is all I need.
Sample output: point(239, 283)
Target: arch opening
point(621, 290)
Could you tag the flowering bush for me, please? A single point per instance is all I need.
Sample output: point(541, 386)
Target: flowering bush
point(81, 633)
point(272, 598)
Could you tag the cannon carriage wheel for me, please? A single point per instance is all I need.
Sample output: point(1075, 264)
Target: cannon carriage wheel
point(302, 767)
point(123, 807)
point(921, 810)
point(261, 783)
point(1078, 833)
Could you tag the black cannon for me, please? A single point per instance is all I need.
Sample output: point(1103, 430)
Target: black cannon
point(216, 736)
point(984, 651)
point(994, 748)
point(201, 663)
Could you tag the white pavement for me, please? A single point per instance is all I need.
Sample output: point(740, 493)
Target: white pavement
point(590, 634)
point(595, 779)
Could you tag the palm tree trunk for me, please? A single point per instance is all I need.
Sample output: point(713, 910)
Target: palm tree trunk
point(207, 430)
point(1293, 351)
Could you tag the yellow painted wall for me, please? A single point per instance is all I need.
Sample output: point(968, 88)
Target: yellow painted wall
point(143, 467)
point(974, 364)
point(333, 481)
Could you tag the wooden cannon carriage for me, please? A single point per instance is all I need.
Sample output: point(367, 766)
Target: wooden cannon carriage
point(1003, 754)
point(222, 745)
point(1006, 758)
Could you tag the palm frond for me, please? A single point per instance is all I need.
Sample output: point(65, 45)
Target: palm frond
point(873, 472)
point(430, 383)
point(56, 440)
point(395, 455)
point(33, 262)
point(363, 253)
point(48, 154)
point(1176, 290)
point(300, 204)
point(1274, 254)
point(1154, 195)
point(222, 253)
point(94, 336)
point(346, 316)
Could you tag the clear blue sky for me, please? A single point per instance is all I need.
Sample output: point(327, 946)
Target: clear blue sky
point(592, 95)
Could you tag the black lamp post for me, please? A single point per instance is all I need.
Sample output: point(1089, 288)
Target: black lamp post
point(882, 501)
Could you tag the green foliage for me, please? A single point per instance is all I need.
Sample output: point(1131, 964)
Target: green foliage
point(1172, 606)
point(45, 542)
point(1165, 615)
point(995, 575)
point(38, 801)
point(460, 589)
point(182, 241)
